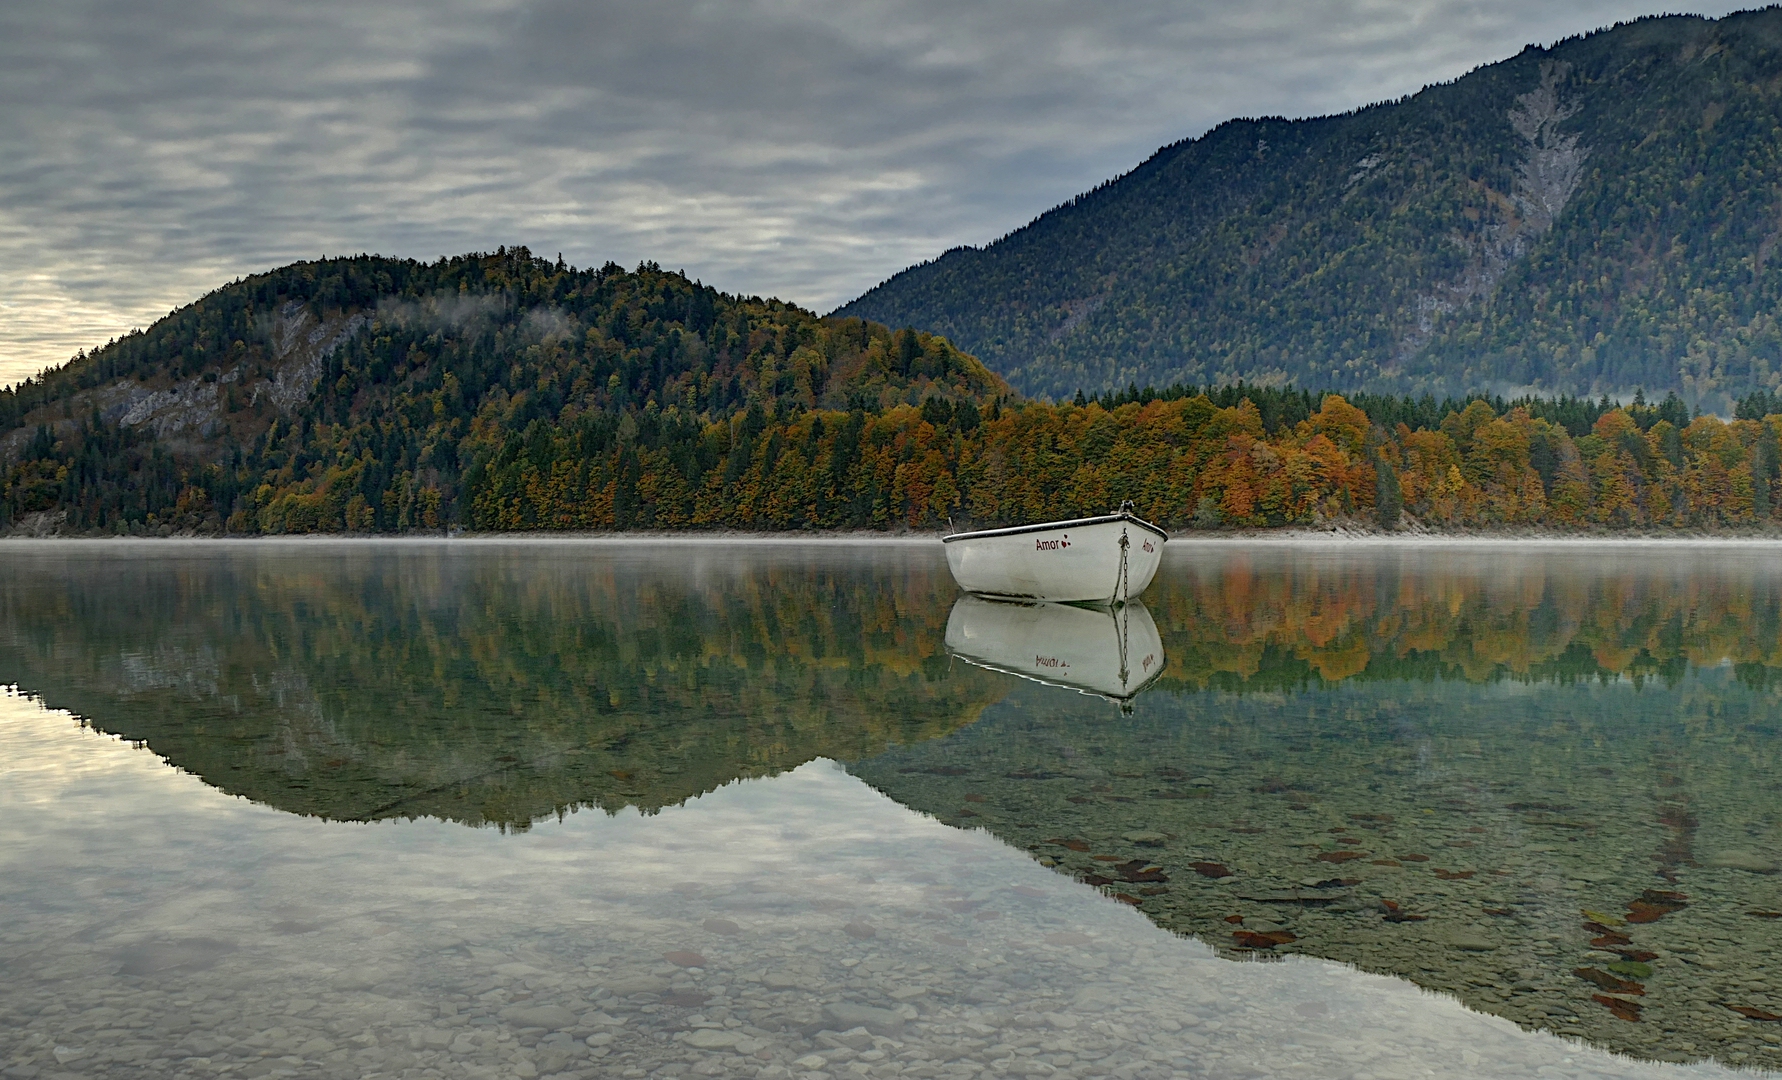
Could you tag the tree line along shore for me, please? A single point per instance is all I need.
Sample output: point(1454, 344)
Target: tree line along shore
point(1185, 462)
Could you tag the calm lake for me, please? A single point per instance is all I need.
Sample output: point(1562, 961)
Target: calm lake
point(772, 809)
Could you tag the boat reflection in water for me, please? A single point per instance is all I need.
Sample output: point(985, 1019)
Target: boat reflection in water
point(1115, 653)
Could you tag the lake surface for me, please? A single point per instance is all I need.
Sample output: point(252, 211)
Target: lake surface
point(772, 809)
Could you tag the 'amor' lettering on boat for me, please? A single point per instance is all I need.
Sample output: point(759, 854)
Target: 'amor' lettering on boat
point(1052, 545)
point(1049, 662)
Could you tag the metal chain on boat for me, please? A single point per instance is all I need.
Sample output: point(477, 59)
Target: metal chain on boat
point(1120, 623)
point(1120, 582)
point(1120, 589)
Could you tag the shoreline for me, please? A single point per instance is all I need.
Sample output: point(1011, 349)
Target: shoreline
point(1297, 537)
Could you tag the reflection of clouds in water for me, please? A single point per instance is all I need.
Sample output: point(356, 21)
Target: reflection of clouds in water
point(126, 880)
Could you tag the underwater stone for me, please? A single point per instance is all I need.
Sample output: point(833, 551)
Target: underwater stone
point(847, 1016)
point(554, 1017)
point(1740, 859)
point(1467, 939)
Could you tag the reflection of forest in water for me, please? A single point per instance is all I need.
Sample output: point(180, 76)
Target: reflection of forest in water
point(503, 683)
point(488, 683)
point(1284, 617)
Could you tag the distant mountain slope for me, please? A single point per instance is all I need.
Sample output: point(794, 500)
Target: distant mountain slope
point(1598, 216)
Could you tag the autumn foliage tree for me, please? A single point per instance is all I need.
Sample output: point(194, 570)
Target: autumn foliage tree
point(1183, 462)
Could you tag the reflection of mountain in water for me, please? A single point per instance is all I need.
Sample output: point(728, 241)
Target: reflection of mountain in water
point(488, 684)
point(1114, 653)
point(1575, 850)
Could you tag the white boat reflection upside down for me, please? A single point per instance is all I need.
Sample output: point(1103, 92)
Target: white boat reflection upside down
point(1115, 653)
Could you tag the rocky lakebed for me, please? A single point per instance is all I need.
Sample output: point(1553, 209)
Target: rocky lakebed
point(1492, 843)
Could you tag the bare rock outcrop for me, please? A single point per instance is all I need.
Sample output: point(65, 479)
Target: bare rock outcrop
point(190, 412)
point(1548, 176)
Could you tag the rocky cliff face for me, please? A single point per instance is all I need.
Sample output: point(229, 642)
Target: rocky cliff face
point(190, 416)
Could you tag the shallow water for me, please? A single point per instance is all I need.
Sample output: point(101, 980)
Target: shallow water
point(717, 809)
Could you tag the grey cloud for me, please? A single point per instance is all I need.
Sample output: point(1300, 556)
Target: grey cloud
point(152, 150)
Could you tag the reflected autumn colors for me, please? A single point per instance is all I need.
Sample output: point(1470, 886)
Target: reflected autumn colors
point(488, 684)
point(1283, 617)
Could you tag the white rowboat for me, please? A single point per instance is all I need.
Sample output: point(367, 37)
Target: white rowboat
point(1115, 652)
point(1106, 559)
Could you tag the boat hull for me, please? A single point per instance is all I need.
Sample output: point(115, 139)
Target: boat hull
point(1065, 562)
point(1111, 652)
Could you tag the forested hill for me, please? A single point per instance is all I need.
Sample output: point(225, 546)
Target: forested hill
point(370, 394)
point(1598, 216)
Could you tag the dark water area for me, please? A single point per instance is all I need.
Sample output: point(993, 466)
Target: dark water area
point(801, 810)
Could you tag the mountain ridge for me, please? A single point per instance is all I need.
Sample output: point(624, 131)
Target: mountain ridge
point(1594, 216)
point(366, 393)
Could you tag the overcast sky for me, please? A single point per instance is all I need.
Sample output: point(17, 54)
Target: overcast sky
point(152, 150)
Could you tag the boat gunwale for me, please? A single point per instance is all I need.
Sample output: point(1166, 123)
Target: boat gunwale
point(990, 665)
point(1047, 526)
